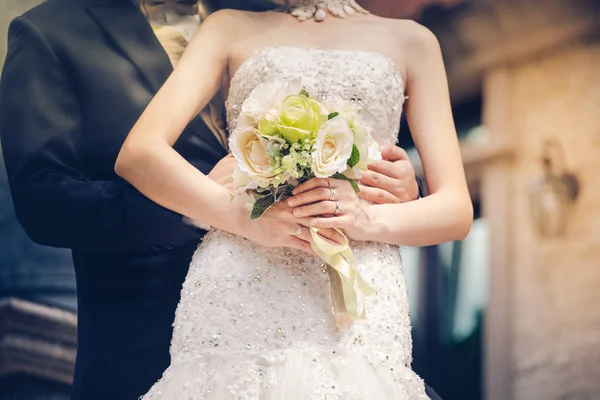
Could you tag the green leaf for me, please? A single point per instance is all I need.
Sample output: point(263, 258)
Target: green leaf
point(345, 178)
point(332, 115)
point(261, 205)
point(354, 157)
point(304, 93)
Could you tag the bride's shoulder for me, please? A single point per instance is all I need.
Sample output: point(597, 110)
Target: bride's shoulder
point(229, 15)
point(229, 25)
point(410, 33)
point(236, 21)
point(239, 15)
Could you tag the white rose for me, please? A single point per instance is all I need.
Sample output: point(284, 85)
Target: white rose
point(333, 147)
point(250, 150)
point(265, 98)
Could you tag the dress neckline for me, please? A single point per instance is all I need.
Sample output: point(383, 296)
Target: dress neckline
point(258, 52)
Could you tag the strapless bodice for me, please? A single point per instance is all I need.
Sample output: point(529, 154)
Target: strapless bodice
point(369, 78)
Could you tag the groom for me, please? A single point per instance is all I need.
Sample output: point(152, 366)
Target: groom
point(77, 75)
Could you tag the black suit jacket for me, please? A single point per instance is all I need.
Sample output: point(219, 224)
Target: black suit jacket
point(77, 76)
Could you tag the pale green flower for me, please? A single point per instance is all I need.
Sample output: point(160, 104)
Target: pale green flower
point(300, 118)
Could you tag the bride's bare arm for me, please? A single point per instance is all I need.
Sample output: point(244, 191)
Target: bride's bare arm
point(447, 213)
point(148, 161)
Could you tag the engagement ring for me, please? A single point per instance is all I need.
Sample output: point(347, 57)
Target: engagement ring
point(338, 207)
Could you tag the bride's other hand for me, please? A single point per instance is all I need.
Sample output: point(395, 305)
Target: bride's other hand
point(279, 227)
point(223, 171)
point(331, 203)
point(392, 180)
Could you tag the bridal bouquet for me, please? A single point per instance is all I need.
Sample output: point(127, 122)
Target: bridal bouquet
point(285, 137)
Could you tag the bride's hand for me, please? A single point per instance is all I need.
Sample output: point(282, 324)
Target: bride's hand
point(331, 203)
point(279, 227)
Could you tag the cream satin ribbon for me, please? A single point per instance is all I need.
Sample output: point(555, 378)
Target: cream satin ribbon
point(348, 288)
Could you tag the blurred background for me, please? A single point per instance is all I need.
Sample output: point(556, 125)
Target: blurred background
point(513, 311)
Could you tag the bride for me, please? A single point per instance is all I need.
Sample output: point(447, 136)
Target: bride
point(254, 320)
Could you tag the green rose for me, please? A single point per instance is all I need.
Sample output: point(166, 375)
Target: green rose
point(300, 118)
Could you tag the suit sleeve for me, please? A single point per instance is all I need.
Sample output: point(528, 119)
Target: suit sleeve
point(41, 131)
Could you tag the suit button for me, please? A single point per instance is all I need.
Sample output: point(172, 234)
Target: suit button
point(156, 247)
point(169, 247)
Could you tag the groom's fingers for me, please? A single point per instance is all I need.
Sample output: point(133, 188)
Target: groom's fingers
point(381, 181)
point(376, 195)
point(386, 168)
point(393, 153)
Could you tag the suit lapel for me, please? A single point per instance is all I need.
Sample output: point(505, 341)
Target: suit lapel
point(129, 30)
point(127, 27)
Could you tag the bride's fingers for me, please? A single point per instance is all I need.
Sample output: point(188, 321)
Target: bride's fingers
point(311, 184)
point(300, 244)
point(332, 222)
point(304, 234)
point(320, 208)
point(311, 196)
point(328, 234)
point(331, 235)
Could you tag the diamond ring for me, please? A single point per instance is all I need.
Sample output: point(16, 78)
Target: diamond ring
point(338, 207)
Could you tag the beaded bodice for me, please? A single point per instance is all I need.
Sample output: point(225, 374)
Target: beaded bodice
point(371, 79)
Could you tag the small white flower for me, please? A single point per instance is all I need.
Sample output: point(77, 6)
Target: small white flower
point(333, 148)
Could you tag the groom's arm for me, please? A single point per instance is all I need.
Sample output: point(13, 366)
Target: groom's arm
point(41, 132)
point(391, 180)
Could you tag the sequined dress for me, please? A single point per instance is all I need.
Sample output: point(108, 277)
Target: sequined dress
point(256, 323)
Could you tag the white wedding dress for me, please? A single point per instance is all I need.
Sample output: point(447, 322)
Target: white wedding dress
point(256, 323)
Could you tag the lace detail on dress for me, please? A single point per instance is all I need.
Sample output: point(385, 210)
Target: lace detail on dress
point(371, 79)
point(255, 323)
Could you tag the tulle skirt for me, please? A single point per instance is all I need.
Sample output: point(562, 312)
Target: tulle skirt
point(289, 375)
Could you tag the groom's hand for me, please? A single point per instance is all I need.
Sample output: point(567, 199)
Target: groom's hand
point(392, 180)
point(223, 171)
